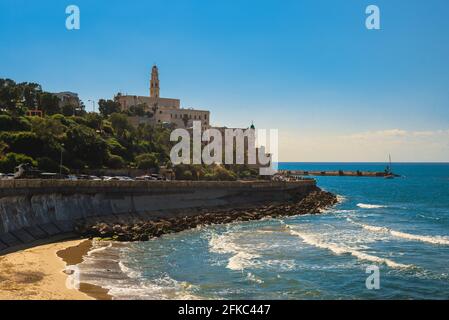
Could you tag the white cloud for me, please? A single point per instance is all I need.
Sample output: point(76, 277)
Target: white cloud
point(403, 145)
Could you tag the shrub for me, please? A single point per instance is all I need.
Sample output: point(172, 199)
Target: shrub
point(47, 164)
point(93, 120)
point(82, 143)
point(147, 161)
point(187, 175)
point(8, 123)
point(12, 160)
point(27, 143)
point(222, 174)
point(115, 162)
point(120, 124)
point(116, 148)
point(77, 164)
point(68, 110)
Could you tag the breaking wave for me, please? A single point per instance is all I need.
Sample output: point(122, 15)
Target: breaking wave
point(370, 206)
point(245, 255)
point(338, 249)
point(106, 267)
point(439, 240)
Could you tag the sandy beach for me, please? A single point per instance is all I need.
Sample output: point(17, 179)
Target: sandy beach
point(38, 273)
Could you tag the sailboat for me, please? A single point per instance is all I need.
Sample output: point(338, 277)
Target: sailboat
point(388, 172)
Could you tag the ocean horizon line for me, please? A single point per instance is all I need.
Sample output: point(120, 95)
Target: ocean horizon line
point(363, 162)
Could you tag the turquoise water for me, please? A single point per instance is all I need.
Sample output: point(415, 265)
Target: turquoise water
point(400, 225)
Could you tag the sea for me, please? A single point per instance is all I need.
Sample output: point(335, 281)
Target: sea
point(386, 239)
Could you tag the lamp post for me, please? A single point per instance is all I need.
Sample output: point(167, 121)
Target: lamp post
point(60, 163)
point(93, 105)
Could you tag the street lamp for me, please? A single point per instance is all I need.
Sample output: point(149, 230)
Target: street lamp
point(93, 104)
point(60, 163)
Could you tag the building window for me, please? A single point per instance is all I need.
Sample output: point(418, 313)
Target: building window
point(205, 117)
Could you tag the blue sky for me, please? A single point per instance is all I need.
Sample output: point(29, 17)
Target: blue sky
point(335, 90)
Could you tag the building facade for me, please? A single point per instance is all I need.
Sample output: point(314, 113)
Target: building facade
point(163, 110)
point(68, 98)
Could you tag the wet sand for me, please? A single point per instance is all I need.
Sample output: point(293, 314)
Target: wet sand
point(38, 273)
point(73, 255)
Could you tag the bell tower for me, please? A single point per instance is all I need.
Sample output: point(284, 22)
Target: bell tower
point(154, 83)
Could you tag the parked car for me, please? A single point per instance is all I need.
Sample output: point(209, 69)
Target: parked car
point(146, 178)
point(125, 178)
point(111, 179)
point(51, 175)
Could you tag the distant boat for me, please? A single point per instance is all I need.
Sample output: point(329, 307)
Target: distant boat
point(388, 170)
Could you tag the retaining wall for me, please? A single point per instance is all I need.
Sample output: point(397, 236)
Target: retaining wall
point(38, 209)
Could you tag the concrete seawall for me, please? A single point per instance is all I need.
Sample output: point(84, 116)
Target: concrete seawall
point(33, 210)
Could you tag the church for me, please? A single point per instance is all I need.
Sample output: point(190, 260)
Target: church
point(164, 110)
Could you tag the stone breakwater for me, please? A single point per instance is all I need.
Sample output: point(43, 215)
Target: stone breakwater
point(137, 230)
point(37, 210)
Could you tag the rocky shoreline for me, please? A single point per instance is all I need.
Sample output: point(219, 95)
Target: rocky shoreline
point(313, 203)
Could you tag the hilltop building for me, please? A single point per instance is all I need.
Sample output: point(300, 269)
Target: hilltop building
point(68, 98)
point(163, 110)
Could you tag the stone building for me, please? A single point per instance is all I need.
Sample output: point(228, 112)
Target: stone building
point(68, 98)
point(163, 110)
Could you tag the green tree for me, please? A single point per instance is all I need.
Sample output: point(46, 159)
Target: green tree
point(49, 103)
point(116, 148)
point(27, 143)
point(138, 110)
point(147, 161)
point(120, 124)
point(3, 147)
point(115, 162)
point(12, 160)
point(9, 94)
point(30, 93)
point(108, 107)
point(94, 121)
point(8, 123)
point(68, 110)
point(47, 164)
point(48, 128)
point(83, 144)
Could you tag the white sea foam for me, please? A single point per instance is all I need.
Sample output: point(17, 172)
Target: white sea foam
point(429, 239)
point(131, 273)
point(241, 257)
point(247, 253)
point(105, 268)
point(163, 288)
point(439, 240)
point(97, 247)
point(339, 249)
point(253, 278)
point(369, 206)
